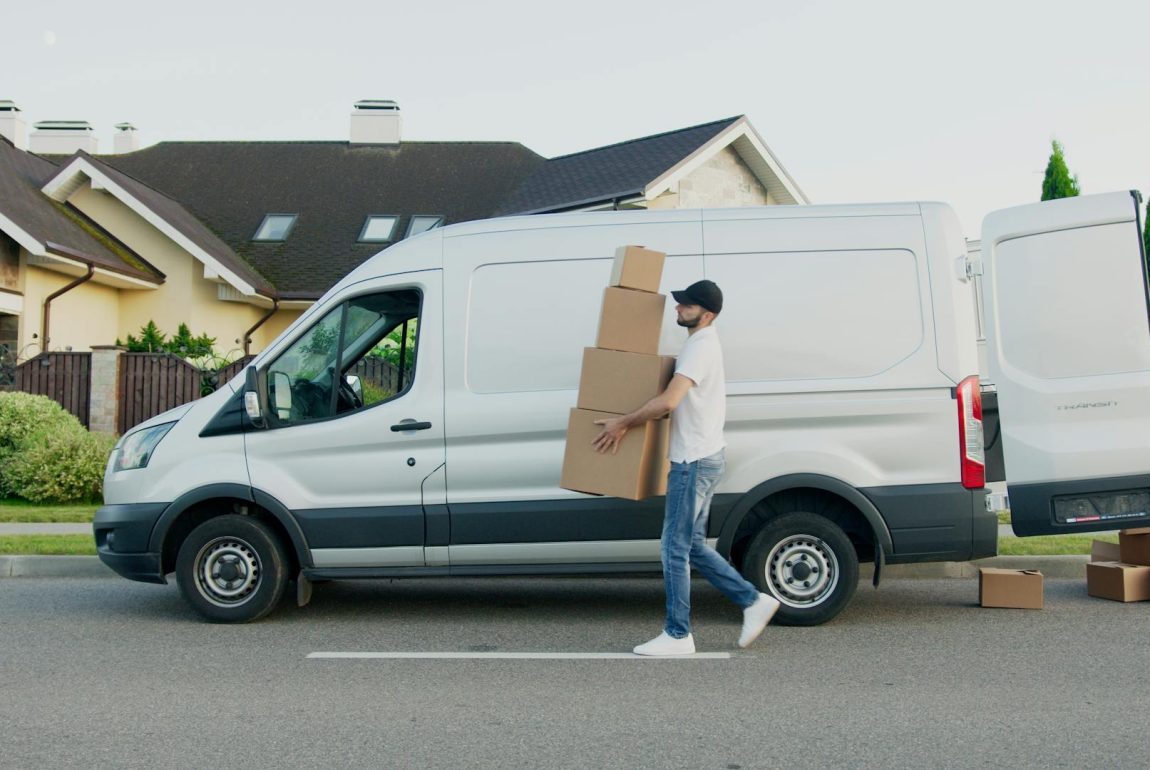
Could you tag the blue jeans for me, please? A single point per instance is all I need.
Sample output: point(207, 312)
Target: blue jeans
point(690, 487)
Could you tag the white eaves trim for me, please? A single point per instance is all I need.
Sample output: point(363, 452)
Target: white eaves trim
point(21, 236)
point(72, 177)
point(753, 151)
point(68, 266)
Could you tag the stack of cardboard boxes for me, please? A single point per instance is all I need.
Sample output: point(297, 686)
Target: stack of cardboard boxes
point(620, 374)
point(1121, 572)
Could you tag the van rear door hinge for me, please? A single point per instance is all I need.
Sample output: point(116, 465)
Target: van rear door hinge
point(968, 267)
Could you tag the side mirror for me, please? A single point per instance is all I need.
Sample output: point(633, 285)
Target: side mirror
point(252, 400)
point(356, 386)
point(279, 392)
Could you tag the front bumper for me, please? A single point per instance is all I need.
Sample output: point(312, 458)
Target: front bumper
point(122, 533)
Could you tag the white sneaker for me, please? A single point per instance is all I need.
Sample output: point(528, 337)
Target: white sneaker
point(756, 617)
point(667, 645)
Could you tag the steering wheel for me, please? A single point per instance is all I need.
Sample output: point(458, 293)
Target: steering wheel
point(311, 397)
point(347, 398)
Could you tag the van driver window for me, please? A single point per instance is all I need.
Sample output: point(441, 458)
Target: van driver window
point(360, 354)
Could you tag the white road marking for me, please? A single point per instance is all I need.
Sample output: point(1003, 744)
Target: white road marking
point(511, 656)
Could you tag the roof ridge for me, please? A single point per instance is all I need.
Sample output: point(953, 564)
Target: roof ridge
point(730, 120)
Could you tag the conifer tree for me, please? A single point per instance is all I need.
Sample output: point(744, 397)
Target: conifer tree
point(1058, 183)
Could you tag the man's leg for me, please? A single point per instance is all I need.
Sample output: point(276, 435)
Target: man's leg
point(717, 570)
point(676, 547)
point(676, 638)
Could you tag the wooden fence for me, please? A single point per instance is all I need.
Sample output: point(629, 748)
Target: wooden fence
point(151, 383)
point(62, 377)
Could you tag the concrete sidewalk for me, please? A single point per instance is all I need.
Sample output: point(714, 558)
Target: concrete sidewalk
point(21, 528)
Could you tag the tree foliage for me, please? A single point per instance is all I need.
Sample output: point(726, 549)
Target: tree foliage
point(1058, 183)
point(182, 343)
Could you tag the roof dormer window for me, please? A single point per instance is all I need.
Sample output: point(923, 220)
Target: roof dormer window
point(378, 228)
point(275, 227)
point(421, 223)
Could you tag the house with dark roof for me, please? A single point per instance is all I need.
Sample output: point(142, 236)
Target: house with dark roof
point(236, 239)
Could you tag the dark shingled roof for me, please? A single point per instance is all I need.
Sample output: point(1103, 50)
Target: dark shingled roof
point(172, 212)
point(606, 173)
point(333, 187)
point(60, 228)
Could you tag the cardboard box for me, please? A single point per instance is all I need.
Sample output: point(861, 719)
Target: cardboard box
point(637, 471)
point(1120, 582)
point(637, 268)
point(631, 321)
point(1100, 550)
point(612, 381)
point(1021, 589)
point(1134, 546)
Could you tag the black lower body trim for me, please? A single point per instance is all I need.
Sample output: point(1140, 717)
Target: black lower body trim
point(936, 522)
point(358, 573)
point(144, 567)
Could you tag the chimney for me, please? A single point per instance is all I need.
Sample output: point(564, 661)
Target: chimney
point(62, 137)
point(12, 126)
point(376, 121)
point(127, 139)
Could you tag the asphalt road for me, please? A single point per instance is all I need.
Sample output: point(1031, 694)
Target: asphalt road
point(104, 672)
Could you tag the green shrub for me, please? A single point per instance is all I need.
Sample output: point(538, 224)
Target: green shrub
point(60, 467)
point(23, 416)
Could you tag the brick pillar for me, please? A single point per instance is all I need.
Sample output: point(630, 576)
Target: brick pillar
point(104, 406)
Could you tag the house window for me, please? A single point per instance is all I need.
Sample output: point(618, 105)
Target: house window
point(378, 228)
point(275, 227)
point(421, 223)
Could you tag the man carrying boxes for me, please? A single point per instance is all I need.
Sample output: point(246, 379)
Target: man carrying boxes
point(696, 400)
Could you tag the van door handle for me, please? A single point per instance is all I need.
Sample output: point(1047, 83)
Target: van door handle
point(410, 425)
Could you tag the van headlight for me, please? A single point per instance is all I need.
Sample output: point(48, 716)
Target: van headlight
point(136, 449)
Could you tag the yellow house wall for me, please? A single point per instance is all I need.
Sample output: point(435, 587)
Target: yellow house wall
point(85, 316)
point(184, 297)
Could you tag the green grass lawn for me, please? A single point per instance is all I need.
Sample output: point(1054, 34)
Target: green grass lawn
point(40, 513)
point(48, 545)
point(1049, 545)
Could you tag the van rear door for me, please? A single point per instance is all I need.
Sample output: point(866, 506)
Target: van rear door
point(1068, 343)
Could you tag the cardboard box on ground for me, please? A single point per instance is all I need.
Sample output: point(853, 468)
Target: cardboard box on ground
point(1013, 588)
point(1120, 572)
point(619, 375)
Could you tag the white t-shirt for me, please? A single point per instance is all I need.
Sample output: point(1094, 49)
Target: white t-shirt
point(697, 422)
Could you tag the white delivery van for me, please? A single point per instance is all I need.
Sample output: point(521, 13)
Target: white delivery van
point(853, 423)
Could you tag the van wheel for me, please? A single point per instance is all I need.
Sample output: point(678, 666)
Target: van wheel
point(232, 569)
point(806, 562)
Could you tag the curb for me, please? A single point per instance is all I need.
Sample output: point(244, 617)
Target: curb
point(1050, 566)
point(53, 566)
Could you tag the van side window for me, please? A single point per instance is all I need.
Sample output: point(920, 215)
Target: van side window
point(360, 354)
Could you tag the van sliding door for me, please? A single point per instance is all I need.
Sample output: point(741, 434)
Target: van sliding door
point(1068, 344)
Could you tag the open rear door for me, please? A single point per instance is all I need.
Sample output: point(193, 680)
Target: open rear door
point(1068, 344)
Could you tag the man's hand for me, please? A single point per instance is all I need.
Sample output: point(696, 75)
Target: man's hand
point(614, 429)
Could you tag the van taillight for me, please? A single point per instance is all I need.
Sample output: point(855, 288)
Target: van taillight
point(970, 447)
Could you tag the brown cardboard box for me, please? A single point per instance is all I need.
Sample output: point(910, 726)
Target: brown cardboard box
point(1134, 545)
point(1120, 582)
point(631, 321)
point(620, 383)
point(637, 268)
point(638, 470)
point(1021, 589)
point(1101, 550)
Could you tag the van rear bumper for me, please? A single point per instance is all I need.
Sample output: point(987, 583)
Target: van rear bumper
point(122, 533)
point(936, 522)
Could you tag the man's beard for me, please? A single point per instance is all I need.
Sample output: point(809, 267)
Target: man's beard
point(688, 323)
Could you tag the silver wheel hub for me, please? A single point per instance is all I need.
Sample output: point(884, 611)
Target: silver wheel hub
point(802, 570)
point(227, 571)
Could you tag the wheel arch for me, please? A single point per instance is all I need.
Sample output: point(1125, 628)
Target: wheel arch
point(196, 506)
point(747, 515)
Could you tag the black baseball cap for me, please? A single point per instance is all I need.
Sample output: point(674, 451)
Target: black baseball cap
point(703, 293)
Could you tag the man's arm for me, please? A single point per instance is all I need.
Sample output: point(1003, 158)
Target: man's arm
point(661, 405)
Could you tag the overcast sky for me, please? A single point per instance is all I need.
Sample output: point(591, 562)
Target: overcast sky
point(860, 101)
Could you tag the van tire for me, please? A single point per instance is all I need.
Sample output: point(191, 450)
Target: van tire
point(808, 563)
point(232, 569)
